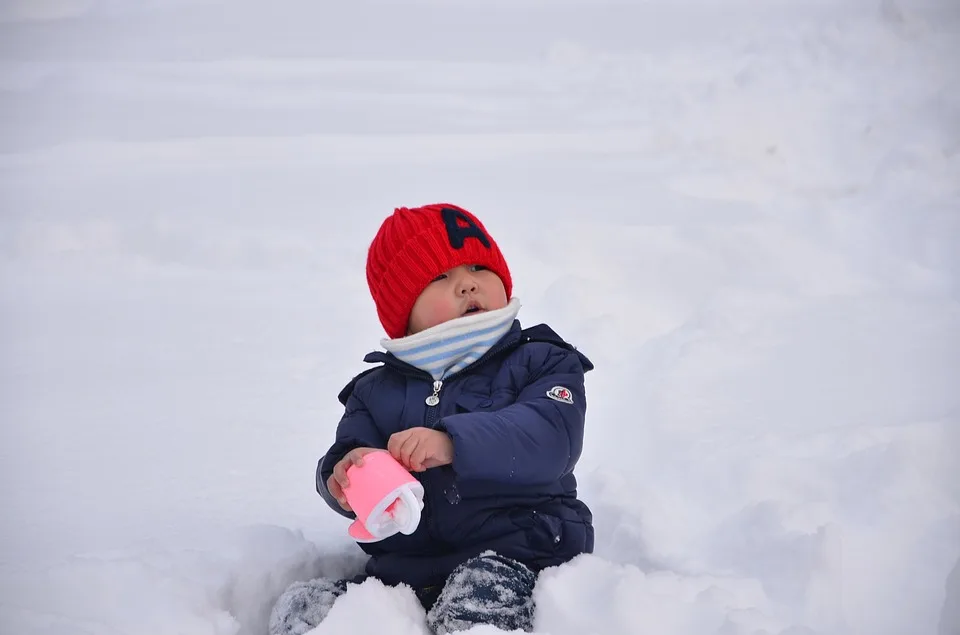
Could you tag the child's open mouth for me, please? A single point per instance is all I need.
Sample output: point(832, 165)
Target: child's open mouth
point(473, 308)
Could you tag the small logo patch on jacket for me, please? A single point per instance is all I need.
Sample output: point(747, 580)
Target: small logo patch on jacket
point(561, 394)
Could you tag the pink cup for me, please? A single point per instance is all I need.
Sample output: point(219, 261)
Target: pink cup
point(385, 497)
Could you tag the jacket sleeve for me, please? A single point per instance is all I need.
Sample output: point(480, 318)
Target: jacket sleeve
point(536, 440)
point(356, 429)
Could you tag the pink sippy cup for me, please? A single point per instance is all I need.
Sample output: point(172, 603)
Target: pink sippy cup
point(385, 497)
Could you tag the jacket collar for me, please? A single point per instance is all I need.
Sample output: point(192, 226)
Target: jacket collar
point(508, 341)
point(514, 337)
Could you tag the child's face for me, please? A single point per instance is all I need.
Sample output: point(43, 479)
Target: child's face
point(465, 290)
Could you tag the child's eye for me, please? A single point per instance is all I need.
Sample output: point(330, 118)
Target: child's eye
point(440, 277)
point(477, 268)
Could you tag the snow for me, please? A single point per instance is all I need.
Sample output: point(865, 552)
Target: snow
point(745, 213)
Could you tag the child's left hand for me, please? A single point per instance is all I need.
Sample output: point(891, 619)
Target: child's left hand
point(419, 449)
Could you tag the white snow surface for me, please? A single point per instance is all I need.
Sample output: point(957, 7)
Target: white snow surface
point(746, 213)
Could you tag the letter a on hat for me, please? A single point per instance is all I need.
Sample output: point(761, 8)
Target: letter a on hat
point(457, 234)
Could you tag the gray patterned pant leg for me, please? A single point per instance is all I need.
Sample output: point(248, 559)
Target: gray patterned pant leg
point(304, 605)
point(488, 589)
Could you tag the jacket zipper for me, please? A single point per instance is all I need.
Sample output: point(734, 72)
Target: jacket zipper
point(451, 492)
point(434, 399)
point(432, 402)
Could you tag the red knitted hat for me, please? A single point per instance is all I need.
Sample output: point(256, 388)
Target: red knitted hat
point(416, 245)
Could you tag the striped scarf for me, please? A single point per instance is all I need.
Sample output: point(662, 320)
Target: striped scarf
point(447, 348)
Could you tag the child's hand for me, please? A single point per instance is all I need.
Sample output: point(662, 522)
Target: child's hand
point(419, 449)
point(338, 480)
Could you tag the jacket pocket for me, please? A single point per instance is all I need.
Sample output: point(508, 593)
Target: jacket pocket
point(544, 532)
point(473, 403)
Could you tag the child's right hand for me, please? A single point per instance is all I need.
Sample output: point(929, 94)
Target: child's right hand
point(338, 480)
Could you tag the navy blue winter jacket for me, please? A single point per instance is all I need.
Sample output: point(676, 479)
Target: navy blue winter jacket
point(511, 487)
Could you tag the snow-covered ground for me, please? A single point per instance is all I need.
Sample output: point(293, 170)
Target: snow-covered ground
point(746, 213)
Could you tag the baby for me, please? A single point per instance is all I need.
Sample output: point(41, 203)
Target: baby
point(486, 415)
